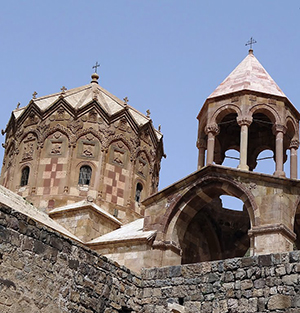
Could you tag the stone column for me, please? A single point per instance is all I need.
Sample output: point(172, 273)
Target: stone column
point(212, 131)
point(201, 145)
point(293, 158)
point(279, 131)
point(244, 123)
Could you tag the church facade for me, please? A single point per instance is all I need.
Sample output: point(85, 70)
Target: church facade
point(90, 163)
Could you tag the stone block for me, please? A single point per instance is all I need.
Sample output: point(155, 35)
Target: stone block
point(290, 279)
point(279, 302)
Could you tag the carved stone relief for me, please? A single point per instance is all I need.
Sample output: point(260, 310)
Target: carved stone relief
point(88, 150)
point(60, 115)
point(28, 149)
point(43, 126)
point(118, 154)
point(118, 157)
point(75, 126)
point(56, 144)
point(141, 165)
point(92, 116)
point(123, 125)
point(56, 148)
point(145, 136)
point(31, 119)
point(88, 146)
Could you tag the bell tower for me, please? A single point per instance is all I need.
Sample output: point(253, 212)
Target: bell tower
point(249, 113)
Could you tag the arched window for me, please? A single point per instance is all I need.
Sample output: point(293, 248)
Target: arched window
point(25, 176)
point(138, 191)
point(85, 175)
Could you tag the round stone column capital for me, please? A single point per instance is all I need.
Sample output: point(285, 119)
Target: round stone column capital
point(244, 120)
point(294, 144)
point(279, 128)
point(212, 128)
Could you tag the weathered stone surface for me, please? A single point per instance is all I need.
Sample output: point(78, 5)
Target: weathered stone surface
point(54, 274)
point(278, 302)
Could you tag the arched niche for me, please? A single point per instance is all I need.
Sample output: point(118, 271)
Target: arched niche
point(56, 144)
point(88, 146)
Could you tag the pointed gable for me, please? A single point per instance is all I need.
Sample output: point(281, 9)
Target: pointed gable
point(80, 97)
point(248, 75)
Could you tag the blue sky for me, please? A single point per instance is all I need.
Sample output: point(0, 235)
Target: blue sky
point(164, 55)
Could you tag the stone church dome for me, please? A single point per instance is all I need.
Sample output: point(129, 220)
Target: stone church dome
point(79, 144)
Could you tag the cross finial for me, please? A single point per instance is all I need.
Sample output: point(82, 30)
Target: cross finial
point(96, 66)
point(250, 43)
point(126, 100)
point(34, 95)
point(63, 89)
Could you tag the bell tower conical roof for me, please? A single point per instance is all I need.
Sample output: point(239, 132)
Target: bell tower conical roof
point(248, 75)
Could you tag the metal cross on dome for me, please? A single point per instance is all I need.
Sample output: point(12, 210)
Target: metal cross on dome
point(96, 66)
point(251, 42)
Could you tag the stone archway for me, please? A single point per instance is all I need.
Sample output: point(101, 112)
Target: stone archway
point(205, 230)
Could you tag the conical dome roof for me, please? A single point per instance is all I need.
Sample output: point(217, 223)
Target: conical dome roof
point(248, 75)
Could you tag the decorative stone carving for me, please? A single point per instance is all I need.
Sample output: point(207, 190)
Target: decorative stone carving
point(75, 126)
point(92, 116)
point(145, 136)
point(212, 128)
point(252, 98)
point(28, 151)
point(122, 125)
point(43, 126)
point(31, 120)
point(60, 114)
point(56, 148)
point(142, 164)
point(118, 157)
point(294, 144)
point(244, 120)
point(279, 128)
point(88, 150)
point(19, 132)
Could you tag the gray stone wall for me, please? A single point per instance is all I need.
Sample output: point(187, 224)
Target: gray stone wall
point(266, 283)
point(42, 271)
